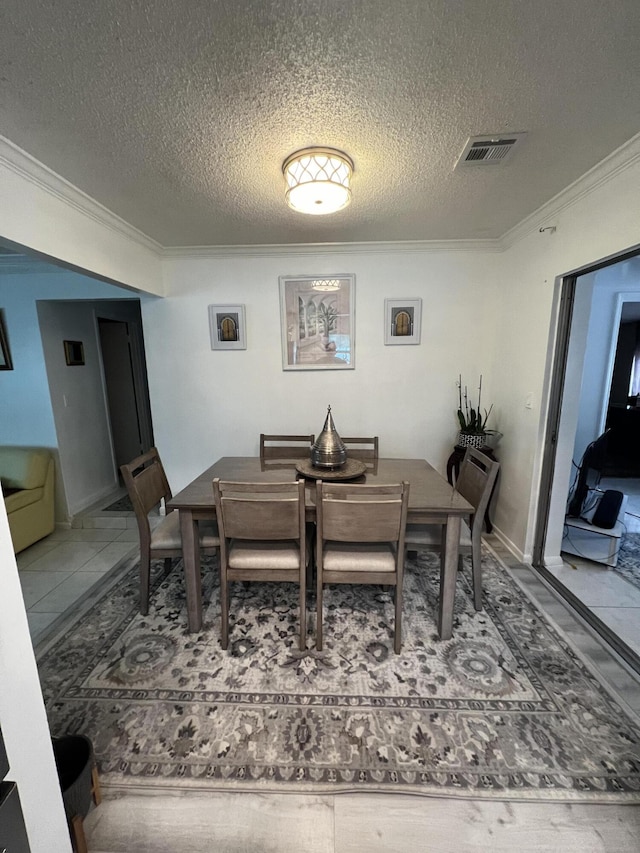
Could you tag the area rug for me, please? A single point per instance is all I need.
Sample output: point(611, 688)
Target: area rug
point(121, 505)
point(628, 564)
point(504, 709)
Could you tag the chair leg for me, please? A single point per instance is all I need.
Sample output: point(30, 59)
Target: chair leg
point(224, 610)
point(303, 614)
point(167, 564)
point(96, 793)
point(319, 615)
point(78, 836)
point(476, 565)
point(397, 631)
point(145, 571)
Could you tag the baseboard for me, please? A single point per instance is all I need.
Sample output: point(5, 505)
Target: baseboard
point(553, 562)
point(92, 500)
point(520, 556)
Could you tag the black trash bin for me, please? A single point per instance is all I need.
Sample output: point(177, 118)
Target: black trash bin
point(75, 763)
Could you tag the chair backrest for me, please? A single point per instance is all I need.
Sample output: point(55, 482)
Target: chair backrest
point(362, 448)
point(476, 480)
point(360, 512)
point(260, 510)
point(285, 446)
point(146, 482)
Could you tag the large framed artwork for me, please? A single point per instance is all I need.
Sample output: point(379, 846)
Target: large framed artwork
point(227, 327)
point(402, 321)
point(317, 315)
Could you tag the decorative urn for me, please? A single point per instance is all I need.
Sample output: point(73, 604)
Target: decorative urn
point(329, 450)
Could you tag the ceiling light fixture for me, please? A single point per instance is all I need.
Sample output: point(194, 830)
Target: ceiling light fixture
point(327, 284)
point(318, 180)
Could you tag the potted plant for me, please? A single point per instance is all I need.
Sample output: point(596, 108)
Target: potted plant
point(473, 421)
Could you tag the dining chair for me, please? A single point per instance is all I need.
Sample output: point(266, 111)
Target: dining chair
point(285, 446)
point(263, 537)
point(147, 485)
point(475, 483)
point(362, 448)
point(360, 532)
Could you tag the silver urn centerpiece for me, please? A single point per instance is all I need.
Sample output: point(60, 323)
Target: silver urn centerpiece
point(328, 450)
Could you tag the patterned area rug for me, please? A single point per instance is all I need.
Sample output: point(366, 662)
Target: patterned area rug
point(628, 564)
point(505, 709)
point(121, 505)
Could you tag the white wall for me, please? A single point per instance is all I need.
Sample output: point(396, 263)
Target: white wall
point(43, 212)
point(597, 219)
point(207, 404)
point(22, 715)
point(27, 417)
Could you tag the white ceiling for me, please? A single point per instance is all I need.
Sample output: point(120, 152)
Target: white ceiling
point(177, 115)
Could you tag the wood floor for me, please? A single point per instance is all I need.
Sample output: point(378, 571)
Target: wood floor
point(354, 823)
point(343, 823)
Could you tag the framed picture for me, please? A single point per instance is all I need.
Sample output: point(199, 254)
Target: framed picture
point(74, 353)
point(402, 321)
point(317, 316)
point(227, 327)
point(5, 355)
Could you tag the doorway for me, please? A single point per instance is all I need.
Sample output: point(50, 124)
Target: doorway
point(589, 312)
point(124, 370)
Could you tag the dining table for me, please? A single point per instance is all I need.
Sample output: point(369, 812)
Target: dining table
point(432, 500)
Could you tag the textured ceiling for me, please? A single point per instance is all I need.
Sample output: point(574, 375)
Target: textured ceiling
point(177, 114)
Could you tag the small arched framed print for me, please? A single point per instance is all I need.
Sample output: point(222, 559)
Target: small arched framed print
point(402, 321)
point(227, 327)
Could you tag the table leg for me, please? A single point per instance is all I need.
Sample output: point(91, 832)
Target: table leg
point(191, 560)
point(448, 575)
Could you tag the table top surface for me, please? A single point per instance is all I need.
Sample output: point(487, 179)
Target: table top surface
point(429, 491)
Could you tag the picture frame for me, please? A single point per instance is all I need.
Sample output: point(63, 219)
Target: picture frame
point(5, 353)
point(227, 327)
point(402, 321)
point(317, 322)
point(74, 353)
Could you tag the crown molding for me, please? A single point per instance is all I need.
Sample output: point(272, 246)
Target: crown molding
point(617, 162)
point(32, 170)
point(288, 250)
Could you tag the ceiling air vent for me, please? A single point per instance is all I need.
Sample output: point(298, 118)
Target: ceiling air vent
point(489, 150)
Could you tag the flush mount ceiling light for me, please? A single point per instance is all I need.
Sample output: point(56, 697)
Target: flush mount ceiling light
point(326, 284)
point(318, 180)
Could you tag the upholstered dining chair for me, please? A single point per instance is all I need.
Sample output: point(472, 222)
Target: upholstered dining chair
point(147, 485)
point(262, 538)
point(285, 446)
point(360, 539)
point(362, 448)
point(475, 483)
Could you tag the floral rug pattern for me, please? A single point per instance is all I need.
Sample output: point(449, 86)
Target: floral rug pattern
point(628, 564)
point(504, 709)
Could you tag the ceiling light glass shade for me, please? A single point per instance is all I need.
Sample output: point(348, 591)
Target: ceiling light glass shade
point(327, 284)
point(318, 180)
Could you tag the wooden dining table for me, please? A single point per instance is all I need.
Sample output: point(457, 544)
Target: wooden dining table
point(432, 500)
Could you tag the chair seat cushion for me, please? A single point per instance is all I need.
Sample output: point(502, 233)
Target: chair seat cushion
point(263, 554)
point(166, 535)
point(430, 535)
point(359, 557)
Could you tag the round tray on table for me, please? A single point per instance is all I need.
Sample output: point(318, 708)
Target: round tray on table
point(351, 469)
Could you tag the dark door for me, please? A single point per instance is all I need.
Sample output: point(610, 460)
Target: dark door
point(122, 397)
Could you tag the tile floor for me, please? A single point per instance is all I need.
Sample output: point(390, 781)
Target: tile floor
point(58, 571)
point(611, 597)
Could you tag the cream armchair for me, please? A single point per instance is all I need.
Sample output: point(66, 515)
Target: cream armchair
point(27, 477)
